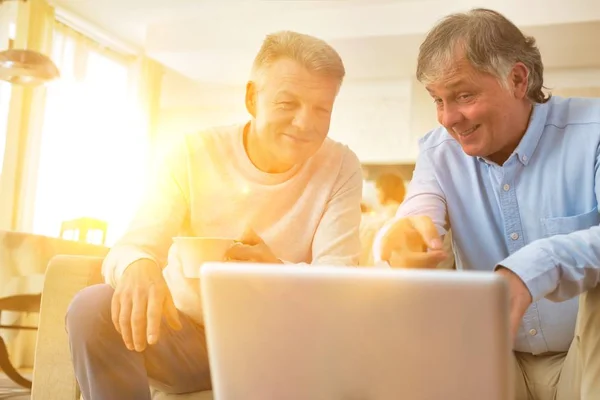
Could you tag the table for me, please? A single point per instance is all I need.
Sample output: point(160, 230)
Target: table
point(19, 303)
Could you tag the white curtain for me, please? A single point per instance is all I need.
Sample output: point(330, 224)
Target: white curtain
point(94, 139)
point(7, 24)
point(4, 103)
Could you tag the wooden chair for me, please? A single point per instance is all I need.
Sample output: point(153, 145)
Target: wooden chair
point(79, 229)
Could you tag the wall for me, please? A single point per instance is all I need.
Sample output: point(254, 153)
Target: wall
point(558, 79)
point(423, 115)
point(578, 92)
point(373, 119)
point(187, 106)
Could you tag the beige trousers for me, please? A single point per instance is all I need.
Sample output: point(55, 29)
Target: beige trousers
point(574, 375)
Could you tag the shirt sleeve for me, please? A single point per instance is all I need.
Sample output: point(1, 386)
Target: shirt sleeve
point(161, 215)
point(337, 240)
point(561, 267)
point(424, 195)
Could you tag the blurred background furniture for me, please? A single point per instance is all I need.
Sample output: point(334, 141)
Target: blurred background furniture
point(88, 230)
point(28, 303)
point(23, 261)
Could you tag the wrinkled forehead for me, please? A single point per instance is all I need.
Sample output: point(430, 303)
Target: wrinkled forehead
point(444, 70)
point(452, 77)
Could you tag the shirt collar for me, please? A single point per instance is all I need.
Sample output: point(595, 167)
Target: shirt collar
point(533, 134)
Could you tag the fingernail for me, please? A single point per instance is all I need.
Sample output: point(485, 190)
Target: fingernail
point(151, 339)
point(435, 244)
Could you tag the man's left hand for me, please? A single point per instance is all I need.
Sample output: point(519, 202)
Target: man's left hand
point(251, 248)
point(520, 299)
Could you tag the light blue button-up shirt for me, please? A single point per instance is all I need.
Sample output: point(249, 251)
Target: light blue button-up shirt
point(537, 214)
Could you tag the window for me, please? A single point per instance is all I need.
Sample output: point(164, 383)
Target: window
point(94, 141)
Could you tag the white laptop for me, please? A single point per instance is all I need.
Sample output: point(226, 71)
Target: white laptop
point(336, 333)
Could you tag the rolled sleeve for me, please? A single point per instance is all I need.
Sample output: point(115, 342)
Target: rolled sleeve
point(424, 195)
point(116, 263)
point(536, 269)
point(559, 267)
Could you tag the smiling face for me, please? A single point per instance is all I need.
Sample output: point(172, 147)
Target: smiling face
point(485, 117)
point(291, 109)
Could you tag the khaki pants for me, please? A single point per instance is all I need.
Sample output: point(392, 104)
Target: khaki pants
point(574, 375)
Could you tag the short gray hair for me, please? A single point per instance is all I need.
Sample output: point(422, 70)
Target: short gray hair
point(312, 53)
point(489, 41)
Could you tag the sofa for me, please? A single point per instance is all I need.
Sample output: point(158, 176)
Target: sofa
point(53, 374)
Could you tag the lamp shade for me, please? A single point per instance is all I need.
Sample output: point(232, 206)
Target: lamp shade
point(26, 67)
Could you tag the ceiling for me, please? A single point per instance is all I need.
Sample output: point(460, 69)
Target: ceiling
point(215, 41)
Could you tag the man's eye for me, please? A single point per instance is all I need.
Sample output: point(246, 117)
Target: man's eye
point(286, 104)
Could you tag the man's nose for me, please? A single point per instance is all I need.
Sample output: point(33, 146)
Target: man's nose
point(303, 119)
point(449, 116)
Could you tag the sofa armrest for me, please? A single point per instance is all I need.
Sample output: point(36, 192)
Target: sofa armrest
point(53, 374)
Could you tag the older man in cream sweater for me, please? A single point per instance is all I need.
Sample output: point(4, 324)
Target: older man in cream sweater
point(278, 177)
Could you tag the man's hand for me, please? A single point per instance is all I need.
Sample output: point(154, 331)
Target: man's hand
point(141, 299)
point(520, 299)
point(411, 242)
point(251, 248)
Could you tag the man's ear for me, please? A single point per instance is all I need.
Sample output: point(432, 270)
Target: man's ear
point(519, 78)
point(251, 98)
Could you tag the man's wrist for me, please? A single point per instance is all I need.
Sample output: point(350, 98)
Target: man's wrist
point(144, 264)
point(536, 269)
point(518, 287)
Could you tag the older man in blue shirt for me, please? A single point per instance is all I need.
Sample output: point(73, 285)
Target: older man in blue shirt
point(516, 175)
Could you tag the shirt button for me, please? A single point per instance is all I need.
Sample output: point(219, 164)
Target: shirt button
point(532, 332)
point(506, 187)
point(514, 236)
point(524, 158)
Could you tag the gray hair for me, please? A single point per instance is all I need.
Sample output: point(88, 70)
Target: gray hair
point(489, 41)
point(312, 53)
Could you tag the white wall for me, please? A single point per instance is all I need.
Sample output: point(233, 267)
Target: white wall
point(373, 119)
point(423, 115)
point(572, 78)
point(187, 106)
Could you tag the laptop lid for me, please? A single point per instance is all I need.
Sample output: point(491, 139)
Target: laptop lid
point(312, 332)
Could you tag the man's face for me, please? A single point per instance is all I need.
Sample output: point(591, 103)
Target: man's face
point(292, 110)
point(476, 110)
